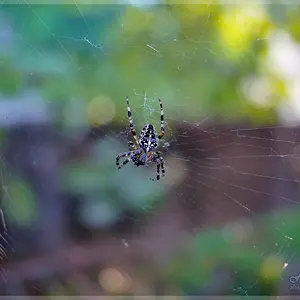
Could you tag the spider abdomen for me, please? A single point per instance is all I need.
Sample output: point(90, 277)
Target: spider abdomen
point(148, 138)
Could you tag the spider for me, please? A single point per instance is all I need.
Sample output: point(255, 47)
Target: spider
point(144, 151)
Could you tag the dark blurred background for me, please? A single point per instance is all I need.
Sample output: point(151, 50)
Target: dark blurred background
point(225, 218)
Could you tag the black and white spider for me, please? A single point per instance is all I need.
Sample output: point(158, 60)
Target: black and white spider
point(144, 152)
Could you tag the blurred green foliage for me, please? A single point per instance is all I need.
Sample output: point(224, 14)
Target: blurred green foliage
point(107, 193)
point(192, 56)
point(256, 263)
point(19, 202)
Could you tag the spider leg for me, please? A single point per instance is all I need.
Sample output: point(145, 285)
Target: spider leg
point(129, 157)
point(160, 164)
point(131, 121)
point(158, 171)
point(162, 122)
point(131, 146)
point(124, 154)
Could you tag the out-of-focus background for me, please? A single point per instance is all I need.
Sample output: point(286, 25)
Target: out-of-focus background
point(225, 218)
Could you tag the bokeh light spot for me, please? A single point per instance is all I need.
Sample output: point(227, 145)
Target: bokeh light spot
point(101, 110)
point(114, 281)
point(272, 267)
point(239, 25)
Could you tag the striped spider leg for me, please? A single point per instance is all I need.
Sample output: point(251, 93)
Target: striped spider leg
point(162, 122)
point(132, 129)
point(130, 156)
point(160, 164)
point(131, 146)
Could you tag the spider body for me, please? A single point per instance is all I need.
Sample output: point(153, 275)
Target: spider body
point(140, 159)
point(148, 140)
point(144, 152)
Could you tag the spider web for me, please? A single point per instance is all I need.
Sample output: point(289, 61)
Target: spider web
point(224, 175)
